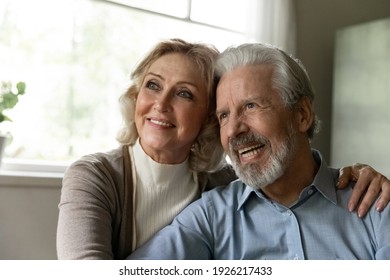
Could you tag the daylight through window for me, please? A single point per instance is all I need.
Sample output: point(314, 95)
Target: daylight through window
point(76, 57)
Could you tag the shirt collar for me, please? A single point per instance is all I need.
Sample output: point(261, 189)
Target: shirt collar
point(245, 194)
point(324, 182)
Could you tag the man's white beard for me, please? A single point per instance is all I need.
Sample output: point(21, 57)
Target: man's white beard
point(258, 176)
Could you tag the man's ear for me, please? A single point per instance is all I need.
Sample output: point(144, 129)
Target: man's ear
point(304, 114)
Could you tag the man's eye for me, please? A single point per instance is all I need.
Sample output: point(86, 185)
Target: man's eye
point(152, 85)
point(222, 117)
point(250, 105)
point(185, 94)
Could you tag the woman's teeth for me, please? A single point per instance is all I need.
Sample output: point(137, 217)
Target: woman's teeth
point(161, 123)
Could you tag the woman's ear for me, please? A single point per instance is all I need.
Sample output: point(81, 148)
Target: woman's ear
point(304, 114)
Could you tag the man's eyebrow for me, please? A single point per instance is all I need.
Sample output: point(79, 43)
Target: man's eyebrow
point(219, 111)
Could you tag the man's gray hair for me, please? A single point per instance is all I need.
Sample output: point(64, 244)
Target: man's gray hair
point(290, 77)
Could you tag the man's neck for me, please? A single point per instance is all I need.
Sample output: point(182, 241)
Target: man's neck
point(299, 174)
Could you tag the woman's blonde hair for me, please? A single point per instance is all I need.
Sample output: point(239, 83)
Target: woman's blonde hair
point(206, 152)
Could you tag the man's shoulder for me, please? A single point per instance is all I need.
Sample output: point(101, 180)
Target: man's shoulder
point(214, 205)
point(229, 194)
point(233, 187)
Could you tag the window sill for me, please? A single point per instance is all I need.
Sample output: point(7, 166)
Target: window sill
point(14, 173)
point(34, 179)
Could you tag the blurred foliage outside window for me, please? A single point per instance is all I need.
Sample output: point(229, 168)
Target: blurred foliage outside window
point(75, 57)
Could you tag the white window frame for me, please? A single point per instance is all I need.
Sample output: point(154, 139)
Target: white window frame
point(36, 172)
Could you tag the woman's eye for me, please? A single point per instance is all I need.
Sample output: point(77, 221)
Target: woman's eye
point(152, 85)
point(185, 94)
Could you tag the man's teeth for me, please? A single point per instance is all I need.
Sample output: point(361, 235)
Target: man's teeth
point(161, 123)
point(250, 151)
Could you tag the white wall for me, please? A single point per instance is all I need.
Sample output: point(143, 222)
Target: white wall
point(317, 24)
point(361, 99)
point(28, 216)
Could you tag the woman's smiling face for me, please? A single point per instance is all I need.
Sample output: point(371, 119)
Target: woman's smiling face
point(171, 107)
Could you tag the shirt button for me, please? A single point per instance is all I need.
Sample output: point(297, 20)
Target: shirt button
point(310, 192)
point(296, 257)
point(289, 212)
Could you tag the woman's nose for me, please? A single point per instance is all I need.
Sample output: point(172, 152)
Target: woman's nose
point(163, 104)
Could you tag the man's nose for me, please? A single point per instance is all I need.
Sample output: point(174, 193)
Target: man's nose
point(236, 126)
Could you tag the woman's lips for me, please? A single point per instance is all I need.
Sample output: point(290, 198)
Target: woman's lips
point(161, 122)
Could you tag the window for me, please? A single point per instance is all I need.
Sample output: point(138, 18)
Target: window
point(76, 57)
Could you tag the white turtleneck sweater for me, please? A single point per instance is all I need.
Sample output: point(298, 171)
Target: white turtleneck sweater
point(161, 192)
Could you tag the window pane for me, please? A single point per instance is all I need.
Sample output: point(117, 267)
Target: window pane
point(227, 14)
point(177, 8)
point(75, 57)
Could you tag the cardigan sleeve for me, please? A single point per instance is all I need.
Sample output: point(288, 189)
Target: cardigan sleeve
point(89, 208)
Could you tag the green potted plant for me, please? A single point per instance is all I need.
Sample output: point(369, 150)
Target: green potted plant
point(9, 97)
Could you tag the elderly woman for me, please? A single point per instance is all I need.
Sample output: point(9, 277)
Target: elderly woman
point(112, 203)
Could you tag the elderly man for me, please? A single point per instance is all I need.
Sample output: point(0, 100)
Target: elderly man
point(285, 204)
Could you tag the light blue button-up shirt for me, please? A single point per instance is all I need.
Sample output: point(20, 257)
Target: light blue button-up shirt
point(239, 222)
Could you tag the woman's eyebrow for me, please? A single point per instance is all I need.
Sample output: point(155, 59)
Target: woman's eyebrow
point(179, 82)
point(155, 75)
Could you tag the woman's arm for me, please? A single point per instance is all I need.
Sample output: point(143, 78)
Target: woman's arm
point(371, 186)
point(84, 226)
